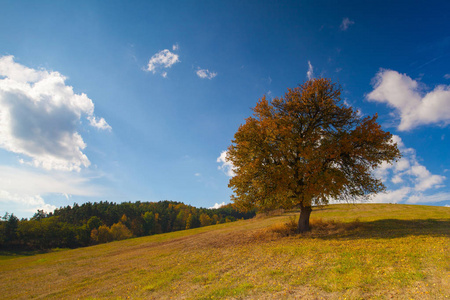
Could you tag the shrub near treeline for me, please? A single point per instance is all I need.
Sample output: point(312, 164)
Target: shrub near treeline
point(94, 223)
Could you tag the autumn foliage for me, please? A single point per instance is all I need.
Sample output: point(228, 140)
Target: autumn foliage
point(95, 223)
point(306, 148)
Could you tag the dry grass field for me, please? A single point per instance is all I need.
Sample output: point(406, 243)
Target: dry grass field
point(364, 251)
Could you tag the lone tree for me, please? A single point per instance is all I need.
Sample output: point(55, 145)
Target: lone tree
point(304, 149)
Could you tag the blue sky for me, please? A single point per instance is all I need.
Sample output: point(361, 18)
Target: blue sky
point(137, 100)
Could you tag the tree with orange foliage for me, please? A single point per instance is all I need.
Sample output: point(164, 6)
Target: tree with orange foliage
point(305, 149)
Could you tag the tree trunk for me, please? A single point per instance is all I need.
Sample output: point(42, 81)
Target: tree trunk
point(303, 221)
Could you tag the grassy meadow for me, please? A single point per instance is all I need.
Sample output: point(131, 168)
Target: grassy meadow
point(364, 251)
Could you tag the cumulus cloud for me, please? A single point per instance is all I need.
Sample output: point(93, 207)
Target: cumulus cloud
point(410, 179)
point(310, 73)
point(205, 73)
point(227, 167)
point(218, 205)
point(346, 22)
point(39, 116)
point(406, 96)
point(99, 123)
point(163, 60)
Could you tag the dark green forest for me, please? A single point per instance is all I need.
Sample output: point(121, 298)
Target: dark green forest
point(102, 222)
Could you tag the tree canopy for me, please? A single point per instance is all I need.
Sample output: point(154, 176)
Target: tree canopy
point(305, 149)
point(101, 222)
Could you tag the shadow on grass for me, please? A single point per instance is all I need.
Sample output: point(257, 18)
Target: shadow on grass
point(8, 254)
point(394, 228)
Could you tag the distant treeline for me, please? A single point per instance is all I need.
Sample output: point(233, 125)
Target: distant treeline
point(95, 223)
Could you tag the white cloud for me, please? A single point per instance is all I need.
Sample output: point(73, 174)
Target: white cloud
point(205, 73)
point(218, 205)
point(39, 115)
point(310, 73)
point(25, 190)
point(410, 177)
point(99, 123)
point(396, 179)
point(447, 76)
point(35, 182)
point(27, 203)
point(392, 196)
point(175, 47)
point(346, 22)
point(408, 168)
point(163, 60)
point(414, 107)
point(227, 167)
point(438, 197)
point(423, 178)
point(402, 164)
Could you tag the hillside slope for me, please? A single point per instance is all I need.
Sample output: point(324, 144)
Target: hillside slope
point(399, 251)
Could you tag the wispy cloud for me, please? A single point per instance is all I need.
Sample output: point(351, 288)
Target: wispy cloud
point(205, 73)
point(25, 190)
point(405, 95)
point(163, 60)
point(310, 72)
point(39, 116)
point(346, 22)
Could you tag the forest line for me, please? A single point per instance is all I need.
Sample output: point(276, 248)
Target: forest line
point(101, 222)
